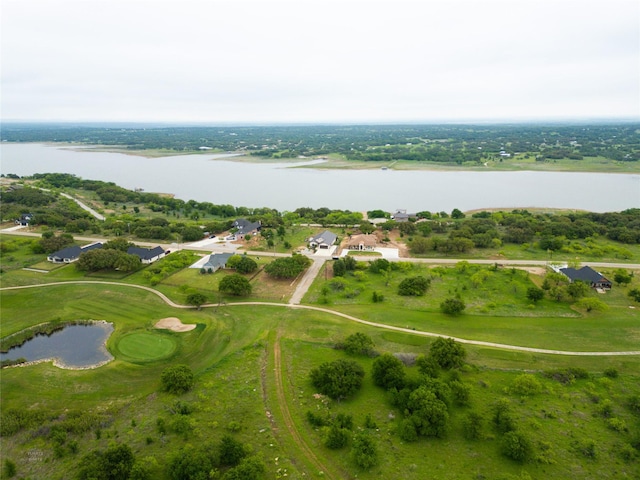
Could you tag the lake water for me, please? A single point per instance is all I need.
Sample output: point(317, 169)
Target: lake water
point(210, 178)
point(75, 346)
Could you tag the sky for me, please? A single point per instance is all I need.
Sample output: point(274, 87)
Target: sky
point(330, 61)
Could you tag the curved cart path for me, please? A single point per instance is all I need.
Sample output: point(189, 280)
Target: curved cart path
point(347, 317)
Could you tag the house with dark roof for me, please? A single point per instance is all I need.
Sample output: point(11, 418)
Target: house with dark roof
point(24, 219)
point(243, 228)
point(587, 275)
point(217, 261)
point(403, 216)
point(71, 254)
point(323, 240)
point(147, 255)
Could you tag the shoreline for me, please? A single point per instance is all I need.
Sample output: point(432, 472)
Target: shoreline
point(330, 162)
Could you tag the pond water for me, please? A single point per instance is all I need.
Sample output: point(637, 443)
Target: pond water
point(75, 346)
point(211, 178)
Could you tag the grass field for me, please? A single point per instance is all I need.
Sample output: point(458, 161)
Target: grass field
point(252, 365)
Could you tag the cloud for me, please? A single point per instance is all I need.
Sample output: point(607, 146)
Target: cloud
point(318, 61)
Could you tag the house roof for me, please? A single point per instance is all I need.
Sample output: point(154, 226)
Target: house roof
point(217, 260)
point(75, 251)
point(367, 240)
point(585, 274)
point(325, 237)
point(244, 226)
point(145, 253)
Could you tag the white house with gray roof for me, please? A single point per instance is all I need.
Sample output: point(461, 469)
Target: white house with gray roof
point(323, 240)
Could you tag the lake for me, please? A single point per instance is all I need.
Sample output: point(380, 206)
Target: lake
point(75, 346)
point(216, 179)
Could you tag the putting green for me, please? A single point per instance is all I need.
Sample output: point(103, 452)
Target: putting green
point(144, 346)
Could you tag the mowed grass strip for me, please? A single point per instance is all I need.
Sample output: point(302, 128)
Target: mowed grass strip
point(145, 346)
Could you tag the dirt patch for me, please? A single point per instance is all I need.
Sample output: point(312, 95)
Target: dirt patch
point(174, 324)
point(534, 270)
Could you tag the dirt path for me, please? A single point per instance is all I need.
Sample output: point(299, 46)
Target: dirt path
point(286, 413)
point(351, 318)
point(306, 280)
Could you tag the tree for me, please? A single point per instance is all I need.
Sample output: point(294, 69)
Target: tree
point(592, 304)
point(364, 452)
point(287, 267)
point(577, 289)
point(339, 379)
point(339, 268)
point(250, 468)
point(516, 446)
point(235, 284)
point(388, 372)
point(192, 234)
point(457, 214)
point(177, 379)
point(231, 451)
point(366, 227)
point(358, 344)
point(246, 265)
point(472, 426)
point(447, 353)
point(634, 294)
point(428, 414)
point(414, 286)
point(115, 463)
point(336, 437)
point(622, 277)
point(535, 294)
point(452, 306)
point(196, 299)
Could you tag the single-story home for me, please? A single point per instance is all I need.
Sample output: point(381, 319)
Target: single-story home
point(147, 255)
point(24, 219)
point(71, 254)
point(587, 275)
point(217, 261)
point(365, 242)
point(403, 216)
point(243, 228)
point(323, 240)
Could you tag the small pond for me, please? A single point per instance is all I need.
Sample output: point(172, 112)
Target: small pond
point(75, 346)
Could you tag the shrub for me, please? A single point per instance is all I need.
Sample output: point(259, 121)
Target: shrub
point(339, 379)
point(516, 446)
point(472, 426)
point(452, 306)
point(447, 353)
point(177, 379)
point(358, 344)
point(235, 284)
point(414, 286)
point(364, 452)
point(525, 385)
point(336, 437)
point(388, 372)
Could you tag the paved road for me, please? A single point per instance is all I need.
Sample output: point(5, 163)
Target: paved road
point(307, 279)
point(351, 318)
point(84, 207)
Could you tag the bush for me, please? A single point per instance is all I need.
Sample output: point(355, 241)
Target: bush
point(388, 372)
point(336, 437)
point(414, 286)
point(447, 353)
point(339, 379)
point(452, 306)
point(472, 426)
point(364, 452)
point(516, 446)
point(525, 385)
point(235, 284)
point(177, 379)
point(358, 344)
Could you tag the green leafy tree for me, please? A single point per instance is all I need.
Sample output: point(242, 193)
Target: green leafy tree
point(516, 446)
point(196, 299)
point(388, 372)
point(192, 234)
point(231, 451)
point(535, 294)
point(339, 268)
point(366, 227)
point(634, 294)
point(287, 267)
point(457, 214)
point(115, 463)
point(339, 379)
point(577, 289)
point(364, 452)
point(336, 437)
point(427, 413)
point(246, 265)
point(235, 284)
point(452, 306)
point(250, 468)
point(472, 426)
point(358, 344)
point(177, 379)
point(622, 277)
point(447, 353)
point(592, 304)
point(414, 286)
point(526, 385)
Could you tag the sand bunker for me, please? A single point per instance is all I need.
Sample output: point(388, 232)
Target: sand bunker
point(174, 324)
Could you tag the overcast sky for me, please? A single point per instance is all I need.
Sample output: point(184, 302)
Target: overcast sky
point(319, 61)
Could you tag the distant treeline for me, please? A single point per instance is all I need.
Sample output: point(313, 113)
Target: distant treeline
point(433, 143)
point(174, 219)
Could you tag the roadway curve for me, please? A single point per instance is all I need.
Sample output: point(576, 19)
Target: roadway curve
point(347, 317)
